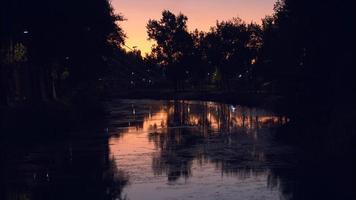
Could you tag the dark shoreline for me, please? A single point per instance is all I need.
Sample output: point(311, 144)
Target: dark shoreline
point(262, 100)
point(58, 120)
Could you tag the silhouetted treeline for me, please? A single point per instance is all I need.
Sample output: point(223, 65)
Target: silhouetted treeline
point(303, 52)
point(220, 56)
point(50, 50)
point(129, 70)
point(284, 54)
point(309, 52)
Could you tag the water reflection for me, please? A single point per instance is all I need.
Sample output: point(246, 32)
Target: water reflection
point(212, 132)
point(173, 141)
point(59, 170)
point(173, 150)
point(209, 116)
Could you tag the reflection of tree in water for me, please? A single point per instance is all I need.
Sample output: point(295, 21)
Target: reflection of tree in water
point(177, 152)
point(316, 178)
point(232, 138)
point(75, 170)
point(243, 146)
point(177, 143)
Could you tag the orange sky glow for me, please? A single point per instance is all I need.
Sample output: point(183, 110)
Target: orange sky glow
point(202, 14)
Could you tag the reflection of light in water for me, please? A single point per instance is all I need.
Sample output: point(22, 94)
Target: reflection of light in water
point(157, 121)
point(215, 117)
point(238, 118)
point(233, 108)
point(194, 120)
point(150, 150)
point(213, 122)
point(132, 137)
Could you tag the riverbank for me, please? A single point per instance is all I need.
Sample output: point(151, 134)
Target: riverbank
point(48, 120)
point(59, 118)
point(252, 99)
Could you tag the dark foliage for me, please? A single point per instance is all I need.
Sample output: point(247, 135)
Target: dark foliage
point(48, 50)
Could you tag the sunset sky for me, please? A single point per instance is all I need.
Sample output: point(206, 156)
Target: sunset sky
point(202, 14)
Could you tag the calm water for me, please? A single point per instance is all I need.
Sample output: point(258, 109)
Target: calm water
point(162, 150)
point(196, 150)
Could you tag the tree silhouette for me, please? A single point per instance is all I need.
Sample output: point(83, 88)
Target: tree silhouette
point(314, 67)
point(174, 44)
point(230, 48)
point(198, 67)
point(64, 48)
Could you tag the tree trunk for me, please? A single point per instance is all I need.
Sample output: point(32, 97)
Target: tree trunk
point(3, 88)
point(43, 89)
point(54, 92)
point(17, 83)
point(35, 84)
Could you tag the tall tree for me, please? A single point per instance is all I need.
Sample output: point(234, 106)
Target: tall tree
point(173, 44)
point(230, 48)
point(198, 67)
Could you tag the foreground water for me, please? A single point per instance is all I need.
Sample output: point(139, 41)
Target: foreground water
point(162, 150)
point(196, 150)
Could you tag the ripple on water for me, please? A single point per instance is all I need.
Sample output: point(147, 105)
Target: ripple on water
point(197, 150)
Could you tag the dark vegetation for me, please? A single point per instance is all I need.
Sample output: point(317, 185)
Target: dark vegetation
point(58, 60)
point(52, 58)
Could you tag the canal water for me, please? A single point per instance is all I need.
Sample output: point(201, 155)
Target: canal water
point(160, 150)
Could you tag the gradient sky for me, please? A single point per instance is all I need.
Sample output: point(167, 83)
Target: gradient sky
point(202, 14)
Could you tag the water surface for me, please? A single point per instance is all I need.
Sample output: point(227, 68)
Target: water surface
point(156, 150)
point(196, 150)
